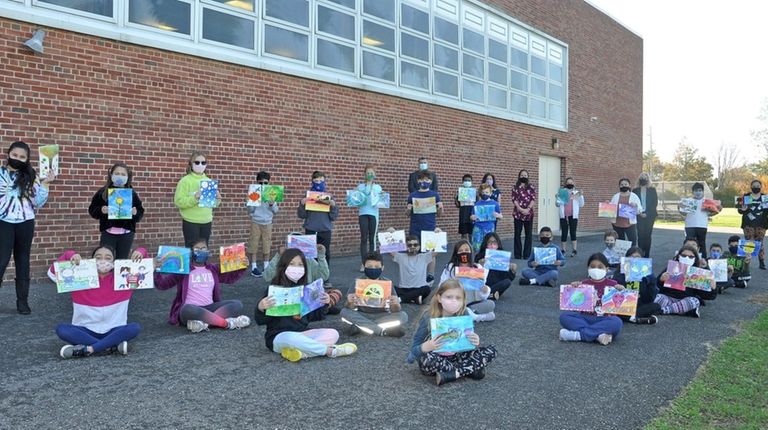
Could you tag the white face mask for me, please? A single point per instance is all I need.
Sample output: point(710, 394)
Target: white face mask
point(104, 266)
point(686, 260)
point(294, 273)
point(450, 306)
point(467, 184)
point(198, 168)
point(596, 274)
point(423, 166)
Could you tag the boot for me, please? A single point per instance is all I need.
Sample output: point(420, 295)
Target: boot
point(445, 377)
point(762, 264)
point(478, 374)
point(22, 293)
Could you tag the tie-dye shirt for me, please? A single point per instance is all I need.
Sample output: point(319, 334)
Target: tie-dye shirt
point(13, 208)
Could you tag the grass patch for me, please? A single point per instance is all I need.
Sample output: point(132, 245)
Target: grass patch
point(728, 217)
point(730, 391)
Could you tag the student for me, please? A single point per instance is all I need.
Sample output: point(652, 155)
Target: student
point(99, 316)
point(117, 233)
point(196, 221)
point(261, 228)
point(465, 210)
point(21, 195)
point(481, 228)
point(478, 304)
point(592, 326)
point(413, 266)
point(319, 223)
point(739, 266)
point(368, 213)
point(289, 336)
point(449, 300)
point(676, 302)
point(198, 302)
point(697, 221)
point(693, 243)
point(498, 280)
point(387, 321)
point(647, 289)
point(543, 274)
point(626, 228)
point(716, 253)
point(428, 221)
point(524, 201)
point(569, 215)
point(754, 217)
point(490, 180)
point(413, 177)
point(614, 259)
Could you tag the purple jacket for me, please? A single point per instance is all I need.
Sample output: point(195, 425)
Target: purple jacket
point(168, 281)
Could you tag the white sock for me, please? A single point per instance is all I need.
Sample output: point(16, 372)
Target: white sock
point(254, 265)
point(266, 264)
point(569, 335)
point(532, 281)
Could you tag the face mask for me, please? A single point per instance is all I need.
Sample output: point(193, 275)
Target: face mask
point(372, 273)
point(485, 196)
point(17, 164)
point(450, 306)
point(423, 166)
point(464, 257)
point(755, 190)
point(623, 189)
point(523, 180)
point(698, 194)
point(119, 180)
point(318, 186)
point(545, 240)
point(596, 274)
point(467, 184)
point(489, 181)
point(492, 246)
point(424, 184)
point(569, 186)
point(643, 182)
point(294, 273)
point(686, 260)
point(200, 255)
point(104, 266)
point(609, 245)
point(715, 254)
point(198, 168)
point(733, 249)
point(370, 176)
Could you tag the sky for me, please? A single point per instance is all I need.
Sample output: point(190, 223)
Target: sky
point(705, 74)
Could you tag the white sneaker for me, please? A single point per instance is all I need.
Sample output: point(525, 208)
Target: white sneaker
point(196, 326)
point(490, 316)
point(122, 348)
point(237, 323)
point(344, 349)
point(569, 335)
point(604, 339)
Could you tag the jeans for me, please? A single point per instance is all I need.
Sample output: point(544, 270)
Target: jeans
point(628, 233)
point(644, 234)
point(541, 278)
point(700, 234)
point(591, 326)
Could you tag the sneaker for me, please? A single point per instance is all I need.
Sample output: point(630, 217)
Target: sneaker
point(362, 268)
point(196, 326)
point(393, 332)
point(573, 253)
point(344, 349)
point(696, 313)
point(291, 354)
point(490, 316)
point(524, 281)
point(255, 272)
point(69, 351)
point(495, 295)
point(762, 264)
point(647, 320)
point(478, 374)
point(430, 277)
point(604, 339)
point(550, 284)
point(569, 335)
point(22, 306)
point(239, 322)
point(419, 300)
point(122, 348)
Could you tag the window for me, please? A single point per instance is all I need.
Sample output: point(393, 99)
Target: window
point(472, 91)
point(336, 23)
point(519, 58)
point(446, 84)
point(414, 47)
point(378, 66)
point(519, 103)
point(518, 81)
point(474, 41)
point(497, 51)
point(446, 57)
point(473, 66)
point(497, 97)
point(285, 43)
point(414, 19)
point(446, 31)
point(384, 9)
point(292, 11)
point(538, 108)
point(168, 15)
point(239, 4)
point(348, 3)
point(414, 75)
point(227, 28)
point(335, 55)
point(497, 74)
point(97, 7)
point(378, 36)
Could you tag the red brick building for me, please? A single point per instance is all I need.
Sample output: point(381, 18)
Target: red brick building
point(293, 86)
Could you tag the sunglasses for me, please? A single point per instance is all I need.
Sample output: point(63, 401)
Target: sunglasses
point(413, 245)
point(200, 162)
point(263, 182)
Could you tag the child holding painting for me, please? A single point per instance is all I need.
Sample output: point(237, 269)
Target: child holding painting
point(413, 266)
point(368, 213)
point(196, 221)
point(449, 300)
point(498, 280)
point(543, 274)
point(289, 336)
point(319, 223)
point(676, 302)
point(198, 303)
point(261, 228)
point(647, 289)
point(466, 209)
point(423, 215)
point(483, 227)
point(737, 266)
point(117, 233)
point(478, 304)
point(614, 259)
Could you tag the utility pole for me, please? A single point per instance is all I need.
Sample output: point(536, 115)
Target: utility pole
point(650, 160)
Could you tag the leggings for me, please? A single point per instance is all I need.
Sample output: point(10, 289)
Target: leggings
point(311, 343)
point(644, 234)
point(627, 233)
point(408, 295)
point(700, 234)
point(591, 326)
point(523, 252)
point(215, 314)
point(17, 239)
point(78, 335)
point(122, 243)
point(465, 363)
point(758, 234)
point(501, 286)
point(671, 305)
point(194, 232)
point(567, 225)
point(323, 238)
point(368, 227)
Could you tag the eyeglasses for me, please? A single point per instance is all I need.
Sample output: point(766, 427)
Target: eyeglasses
point(201, 162)
point(263, 182)
point(413, 245)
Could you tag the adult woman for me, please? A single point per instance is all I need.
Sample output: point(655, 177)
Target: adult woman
point(368, 213)
point(524, 201)
point(754, 217)
point(196, 221)
point(648, 200)
point(569, 215)
point(490, 179)
point(626, 227)
point(21, 194)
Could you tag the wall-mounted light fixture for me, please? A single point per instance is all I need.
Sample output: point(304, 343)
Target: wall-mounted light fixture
point(36, 42)
point(555, 143)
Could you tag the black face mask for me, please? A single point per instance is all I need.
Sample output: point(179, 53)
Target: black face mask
point(755, 190)
point(545, 240)
point(643, 182)
point(464, 257)
point(17, 164)
point(623, 189)
point(523, 180)
point(569, 186)
point(733, 249)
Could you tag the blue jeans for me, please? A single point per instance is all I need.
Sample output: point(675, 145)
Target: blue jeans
point(541, 278)
point(591, 326)
point(78, 335)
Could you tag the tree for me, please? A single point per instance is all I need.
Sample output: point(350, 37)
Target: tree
point(760, 136)
point(688, 165)
point(727, 160)
point(653, 165)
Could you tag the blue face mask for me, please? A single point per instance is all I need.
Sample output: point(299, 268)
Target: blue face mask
point(715, 254)
point(119, 180)
point(201, 256)
point(372, 273)
point(485, 196)
point(318, 186)
point(424, 185)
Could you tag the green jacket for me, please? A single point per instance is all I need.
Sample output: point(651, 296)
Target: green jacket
point(185, 199)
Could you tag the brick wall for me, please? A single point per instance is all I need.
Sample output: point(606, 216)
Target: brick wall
point(105, 101)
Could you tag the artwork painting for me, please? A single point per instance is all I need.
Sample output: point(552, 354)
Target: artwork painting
point(621, 247)
point(209, 191)
point(638, 268)
point(451, 333)
point(356, 198)
point(617, 302)
point(173, 259)
point(254, 195)
point(484, 213)
point(577, 298)
point(49, 160)
point(748, 247)
point(497, 260)
point(545, 255)
point(467, 196)
point(628, 211)
point(392, 241)
point(311, 296)
point(676, 271)
point(720, 269)
point(607, 210)
point(563, 196)
point(699, 279)
point(427, 205)
point(471, 278)
point(130, 275)
point(287, 301)
point(373, 292)
point(120, 203)
point(687, 206)
point(307, 243)
point(434, 242)
point(272, 193)
point(384, 201)
point(318, 202)
point(71, 277)
point(232, 258)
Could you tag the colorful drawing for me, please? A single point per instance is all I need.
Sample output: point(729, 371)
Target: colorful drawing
point(307, 243)
point(621, 247)
point(287, 301)
point(272, 193)
point(627, 211)
point(384, 201)
point(434, 242)
point(577, 298)
point(699, 279)
point(546, 255)
point(720, 269)
point(638, 268)
point(563, 196)
point(687, 206)
point(130, 275)
point(373, 293)
point(173, 259)
point(485, 213)
point(617, 302)
point(451, 333)
point(471, 278)
point(71, 277)
point(676, 271)
point(254, 195)
point(120, 203)
point(427, 205)
point(209, 190)
point(497, 260)
point(311, 296)
point(392, 241)
point(356, 198)
point(748, 247)
point(467, 196)
point(318, 202)
point(232, 258)
point(711, 206)
point(607, 210)
point(49, 160)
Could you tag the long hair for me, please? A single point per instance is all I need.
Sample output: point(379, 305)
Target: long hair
point(490, 175)
point(517, 184)
point(129, 184)
point(454, 261)
point(192, 157)
point(25, 181)
point(436, 309)
point(280, 278)
point(693, 251)
point(481, 253)
point(107, 247)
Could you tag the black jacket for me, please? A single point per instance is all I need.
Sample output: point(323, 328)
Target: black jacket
point(651, 201)
point(97, 202)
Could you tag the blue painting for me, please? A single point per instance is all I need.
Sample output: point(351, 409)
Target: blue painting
point(209, 191)
point(485, 213)
point(120, 203)
point(173, 259)
point(311, 296)
point(497, 260)
point(451, 333)
point(545, 255)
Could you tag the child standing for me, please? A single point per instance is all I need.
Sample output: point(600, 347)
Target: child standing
point(498, 280)
point(427, 221)
point(198, 302)
point(478, 304)
point(449, 301)
point(754, 218)
point(482, 228)
point(319, 223)
point(196, 221)
point(289, 336)
point(697, 221)
point(261, 228)
point(465, 210)
point(413, 266)
point(543, 274)
point(117, 233)
point(593, 326)
point(368, 213)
